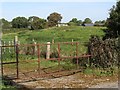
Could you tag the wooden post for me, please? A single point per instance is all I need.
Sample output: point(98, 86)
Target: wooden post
point(48, 51)
point(72, 41)
point(9, 47)
point(53, 41)
point(35, 46)
point(16, 49)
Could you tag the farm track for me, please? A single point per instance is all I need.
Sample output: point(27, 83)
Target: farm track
point(35, 75)
point(71, 80)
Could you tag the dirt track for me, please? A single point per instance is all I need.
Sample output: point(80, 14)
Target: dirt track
point(77, 80)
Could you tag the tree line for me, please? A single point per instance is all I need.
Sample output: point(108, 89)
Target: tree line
point(34, 22)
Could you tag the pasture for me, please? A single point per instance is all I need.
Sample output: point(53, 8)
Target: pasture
point(59, 34)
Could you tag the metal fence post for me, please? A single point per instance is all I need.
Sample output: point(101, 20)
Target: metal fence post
point(38, 53)
point(1, 62)
point(59, 55)
point(77, 54)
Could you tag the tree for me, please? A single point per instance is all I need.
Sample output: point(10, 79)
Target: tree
point(100, 23)
point(75, 22)
point(113, 22)
point(20, 22)
point(36, 23)
point(87, 21)
point(54, 19)
point(5, 24)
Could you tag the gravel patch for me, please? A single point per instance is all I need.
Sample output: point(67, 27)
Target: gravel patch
point(106, 85)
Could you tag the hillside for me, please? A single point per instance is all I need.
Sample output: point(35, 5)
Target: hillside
point(59, 34)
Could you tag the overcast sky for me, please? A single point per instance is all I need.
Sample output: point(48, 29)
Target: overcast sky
point(68, 10)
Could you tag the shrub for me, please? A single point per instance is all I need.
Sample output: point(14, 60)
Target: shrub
point(104, 53)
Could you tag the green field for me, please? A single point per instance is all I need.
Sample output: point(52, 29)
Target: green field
point(59, 34)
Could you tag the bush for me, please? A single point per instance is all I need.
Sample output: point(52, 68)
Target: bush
point(104, 53)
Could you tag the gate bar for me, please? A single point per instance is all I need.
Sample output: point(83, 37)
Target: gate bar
point(17, 61)
point(38, 52)
point(1, 63)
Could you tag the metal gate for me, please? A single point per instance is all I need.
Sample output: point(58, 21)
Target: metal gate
point(9, 57)
point(34, 61)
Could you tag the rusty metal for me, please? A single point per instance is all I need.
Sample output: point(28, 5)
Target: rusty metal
point(1, 63)
point(59, 55)
point(8, 46)
point(48, 44)
point(17, 61)
point(8, 62)
point(5, 63)
point(77, 54)
point(53, 59)
point(38, 51)
point(59, 58)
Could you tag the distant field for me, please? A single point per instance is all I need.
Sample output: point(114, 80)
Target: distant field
point(59, 34)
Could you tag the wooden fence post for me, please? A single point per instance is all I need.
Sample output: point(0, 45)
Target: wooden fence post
point(53, 41)
point(16, 49)
point(72, 41)
point(35, 47)
point(48, 50)
point(9, 47)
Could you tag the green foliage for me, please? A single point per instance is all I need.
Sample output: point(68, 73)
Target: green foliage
point(4, 85)
point(100, 72)
point(36, 23)
point(75, 22)
point(5, 24)
point(54, 19)
point(20, 22)
point(87, 21)
point(113, 22)
point(100, 23)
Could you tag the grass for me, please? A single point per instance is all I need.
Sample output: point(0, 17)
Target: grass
point(101, 72)
point(59, 34)
point(7, 87)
